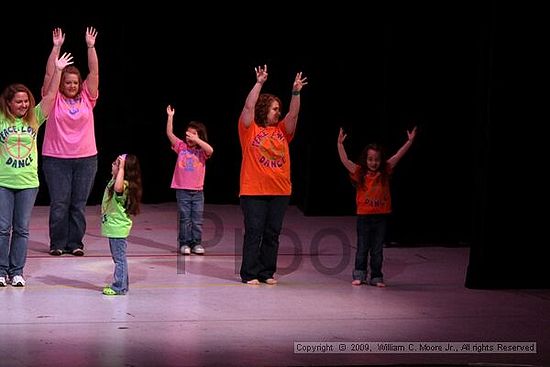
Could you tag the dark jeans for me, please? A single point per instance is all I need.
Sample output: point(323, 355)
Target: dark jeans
point(371, 232)
point(70, 182)
point(15, 216)
point(263, 222)
point(190, 213)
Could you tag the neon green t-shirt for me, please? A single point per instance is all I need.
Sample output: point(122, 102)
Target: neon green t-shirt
point(18, 153)
point(115, 222)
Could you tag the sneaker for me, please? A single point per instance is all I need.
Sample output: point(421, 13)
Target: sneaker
point(185, 250)
point(108, 291)
point(78, 252)
point(18, 281)
point(198, 249)
point(56, 252)
point(3, 282)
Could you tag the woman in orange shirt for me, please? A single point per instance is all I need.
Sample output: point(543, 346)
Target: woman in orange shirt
point(265, 185)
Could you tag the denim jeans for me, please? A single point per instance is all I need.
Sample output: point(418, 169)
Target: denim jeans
point(190, 213)
point(15, 215)
point(70, 182)
point(118, 253)
point(371, 233)
point(263, 222)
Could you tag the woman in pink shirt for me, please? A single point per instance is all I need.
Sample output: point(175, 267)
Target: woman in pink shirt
point(69, 150)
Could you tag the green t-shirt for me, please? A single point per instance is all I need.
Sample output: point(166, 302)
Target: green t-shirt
point(115, 222)
point(18, 153)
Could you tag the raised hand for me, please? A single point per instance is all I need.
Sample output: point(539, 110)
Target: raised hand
point(58, 37)
point(64, 60)
point(411, 134)
point(121, 159)
point(299, 82)
point(170, 111)
point(261, 74)
point(341, 136)
point(91, 34)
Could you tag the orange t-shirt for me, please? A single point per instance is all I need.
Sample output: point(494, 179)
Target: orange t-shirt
point(265, 166)
point(374, 196)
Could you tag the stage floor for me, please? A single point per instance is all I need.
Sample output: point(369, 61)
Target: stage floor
point(194, 311)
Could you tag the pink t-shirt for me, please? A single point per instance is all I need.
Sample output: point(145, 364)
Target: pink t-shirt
point(69, 130)
point(190, 167)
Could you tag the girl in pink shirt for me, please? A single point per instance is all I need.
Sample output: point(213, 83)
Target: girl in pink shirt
point(188, 181)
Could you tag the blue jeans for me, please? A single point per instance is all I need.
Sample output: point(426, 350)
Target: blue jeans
point(371, 233)
point(263, 222)
point(190, 213)
point(15, 215)
point(120, 276)
point(70, 182)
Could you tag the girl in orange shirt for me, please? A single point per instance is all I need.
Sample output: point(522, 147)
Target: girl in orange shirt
point(371, 178)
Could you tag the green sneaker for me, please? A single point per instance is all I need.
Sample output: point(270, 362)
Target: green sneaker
point(108, 291)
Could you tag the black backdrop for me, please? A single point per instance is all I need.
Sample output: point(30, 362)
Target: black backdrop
point(463, 72)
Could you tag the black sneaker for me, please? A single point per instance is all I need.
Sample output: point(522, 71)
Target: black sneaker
point(78, 252)
point(56, 252)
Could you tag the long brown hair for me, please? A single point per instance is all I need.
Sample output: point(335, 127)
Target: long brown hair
point(8, 95)
point(364, 169)
point(132, 174)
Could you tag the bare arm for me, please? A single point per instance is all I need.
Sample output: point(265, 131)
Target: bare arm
point(291, 118)
point(48, 99)
point(350, 166)
point(247, 114)
point(92, 80)
point(392, 162)
point(208, 150)
point(170, 125)
point(58, 39)
point(119, 179)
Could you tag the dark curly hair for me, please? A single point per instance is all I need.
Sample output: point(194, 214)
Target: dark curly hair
point(262, 106)
point(201, 129)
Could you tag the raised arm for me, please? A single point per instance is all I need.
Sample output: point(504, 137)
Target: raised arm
point(58, 38)
point(48, 99)
point(170, 125)
point(291, 117)
point(119, 179)
point(392, 162)
point(350, 166)
point(93, 66)
point(247, 114)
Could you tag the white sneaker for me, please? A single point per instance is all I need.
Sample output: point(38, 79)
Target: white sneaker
point(185, 250)
point(198, 249)
point(3, 282)
point(18, 281)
